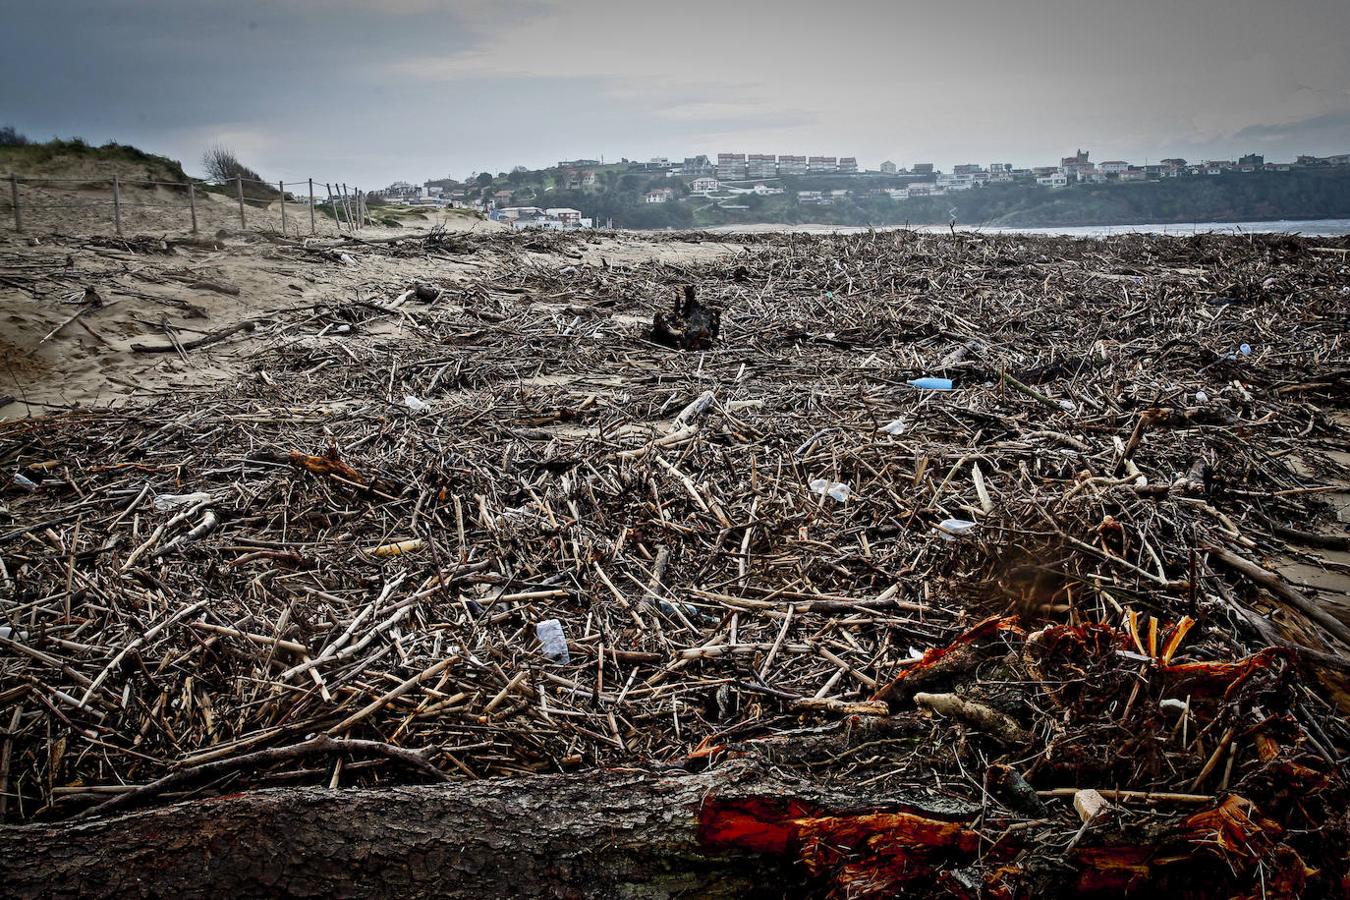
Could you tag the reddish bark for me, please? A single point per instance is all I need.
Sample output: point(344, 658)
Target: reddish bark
point(937, 663)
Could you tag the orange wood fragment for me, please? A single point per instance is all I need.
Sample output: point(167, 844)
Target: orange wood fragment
point(937, 659)
point(1221, 679)
point(327, 466)
point(862, 855)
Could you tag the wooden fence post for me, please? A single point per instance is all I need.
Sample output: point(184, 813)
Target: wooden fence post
point(281, 187)
point(312, 229)
point(239, 186)
point(14, 195)
point(192, 204)
point(117, 206)
point(333, 206)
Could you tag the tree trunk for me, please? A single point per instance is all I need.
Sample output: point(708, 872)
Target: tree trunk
point(608, 834)
point(732, 831)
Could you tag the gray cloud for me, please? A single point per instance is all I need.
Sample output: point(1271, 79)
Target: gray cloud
point(371, 91)
point(1330, 130)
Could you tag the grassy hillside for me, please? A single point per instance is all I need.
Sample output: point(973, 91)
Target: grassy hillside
point(74, 158)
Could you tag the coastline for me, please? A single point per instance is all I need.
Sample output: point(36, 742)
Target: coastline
point(1307, 227)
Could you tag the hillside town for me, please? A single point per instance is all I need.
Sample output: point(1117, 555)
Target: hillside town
point(728, 177)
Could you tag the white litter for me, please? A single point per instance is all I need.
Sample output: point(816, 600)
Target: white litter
point(552, 641)
point(951, 529)
point(835, 489)
point(166, 502)
point(897, 426)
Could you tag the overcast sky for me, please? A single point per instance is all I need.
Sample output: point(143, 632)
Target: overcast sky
point(368, 91)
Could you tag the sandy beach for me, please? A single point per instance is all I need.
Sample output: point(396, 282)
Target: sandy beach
point(680, 522)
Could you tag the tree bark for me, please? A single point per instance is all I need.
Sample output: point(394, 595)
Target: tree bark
point(602, 834)
point(732, 831)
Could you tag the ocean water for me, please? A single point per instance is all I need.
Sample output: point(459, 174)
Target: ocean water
point(1307, 227)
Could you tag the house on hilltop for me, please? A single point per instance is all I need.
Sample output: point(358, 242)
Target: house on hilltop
point(696, 165)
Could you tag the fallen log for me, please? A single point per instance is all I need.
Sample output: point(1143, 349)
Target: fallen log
point(608, 832)
point(734, 830)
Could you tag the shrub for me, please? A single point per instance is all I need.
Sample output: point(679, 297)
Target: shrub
point(9, 137)
point(222, 165)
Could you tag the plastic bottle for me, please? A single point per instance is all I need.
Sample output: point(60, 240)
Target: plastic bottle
point(552, 641)
point(932, 384)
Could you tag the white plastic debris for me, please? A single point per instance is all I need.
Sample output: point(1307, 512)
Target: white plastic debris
point(167, 502)
point(834, 489)
point(951, 529)
point(897, 426)
point(416, 404)
point(1172, 704)
point(552, 641)
point(1090, 804)
point(1067, 405)
point(23, 481)
point(1201, 397)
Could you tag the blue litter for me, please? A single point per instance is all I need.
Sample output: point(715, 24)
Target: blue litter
point(932, 384)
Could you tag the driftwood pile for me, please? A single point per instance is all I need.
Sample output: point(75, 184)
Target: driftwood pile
point(1025, 623)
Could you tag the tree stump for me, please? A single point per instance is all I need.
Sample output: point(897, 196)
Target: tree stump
point(690, 324)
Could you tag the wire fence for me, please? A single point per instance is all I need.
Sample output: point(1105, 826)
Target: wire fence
point(95, 203)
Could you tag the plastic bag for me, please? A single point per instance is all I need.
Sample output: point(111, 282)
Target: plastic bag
point(898, 426)
point(835, 489)
point(951, 529)
point(552, 641)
